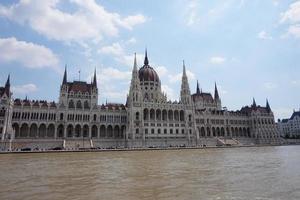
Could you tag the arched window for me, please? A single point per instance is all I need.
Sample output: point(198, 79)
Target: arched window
point(71, 104)
point(137, 116)
point(78, 105)
point(61, 116)
point(86, 105)
point(95, 117)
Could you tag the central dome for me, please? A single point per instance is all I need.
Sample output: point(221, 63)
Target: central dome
point(147, 73)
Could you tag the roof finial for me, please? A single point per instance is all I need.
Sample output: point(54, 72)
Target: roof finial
point(254, 103)
point(216, 92)
point(198, 89)
point(65, 75)
point(7, 84)
point(135, 63)
point(146, 61)
point(184, 72)
point(95, 78)
point(268, 106)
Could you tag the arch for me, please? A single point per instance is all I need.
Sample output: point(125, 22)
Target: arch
point(71, 104)
point(248, 132)
point(181, 115)
point(123, 131)
point(218, 133)
point(116, 131)
point(42, 131)
point(60, 131)
point(137, 116)
point(208, 132)
point(232, 132)
point(164, 115)
point(16, 128)
point(152, 114)
point(158, 114)
point(202, 132)
point(236, 132)
point(51, 131)
point(24, 130)
point(213, 132)
point(176, 115)
point(227, 132)
point(33, 130)
point(170, 115)
point(77, 130)
point(146, 114)
point(86, 105)
point(94, 131)
point(70, 131)
point(109, 131)
point(85, 131)
point(240, 132)
point(78, 105)
point(222, 132)
point(102, 131)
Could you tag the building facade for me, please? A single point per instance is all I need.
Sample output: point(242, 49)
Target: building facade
point(290, 128)
point(147, 119)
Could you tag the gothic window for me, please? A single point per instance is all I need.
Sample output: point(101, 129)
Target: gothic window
point(86, 105)
point(61, 116)
point(137, 116)
point(78, 105)
point(71, 104)
point(95, 117)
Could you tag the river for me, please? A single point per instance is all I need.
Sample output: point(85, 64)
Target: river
point(231, 173)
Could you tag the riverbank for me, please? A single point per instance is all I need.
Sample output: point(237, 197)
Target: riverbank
point(139, 149)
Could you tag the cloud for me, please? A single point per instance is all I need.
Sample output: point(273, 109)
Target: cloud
point(217, 60)
point(264, 36)
point(89, 20)
point(119, 54)
point(26, 53)
point(170, 92)
point(161, 70)
point(192, 12)
point(178, 77)
point(270, 85)
point(292, 17)
point(24, 89)
point(109, 74)
point(282, 113)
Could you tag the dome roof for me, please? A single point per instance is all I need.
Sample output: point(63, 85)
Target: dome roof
point(147, 73)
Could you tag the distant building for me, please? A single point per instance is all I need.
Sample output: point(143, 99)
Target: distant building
point(290, 128)
point(147, 119)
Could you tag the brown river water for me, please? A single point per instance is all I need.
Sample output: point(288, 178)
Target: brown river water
point(232, 173)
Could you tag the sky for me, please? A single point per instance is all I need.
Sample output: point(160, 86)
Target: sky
point(250, 48)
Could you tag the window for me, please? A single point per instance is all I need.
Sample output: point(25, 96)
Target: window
point(95, 117)
point(61, 116)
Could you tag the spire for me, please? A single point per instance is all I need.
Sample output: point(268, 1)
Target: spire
point(184, 72)
point(216, 92)
point(185, 94)
point(7, 84)
point(254, 103)
point(135, 63)
point(95, 78)
point(198, 89)
point(65, 75)
point(146, 61)
point(268, 106)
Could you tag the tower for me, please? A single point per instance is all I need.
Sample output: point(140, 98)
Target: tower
point(135, 121)
point(217, 98)
point(63, 96)
point(185, 94)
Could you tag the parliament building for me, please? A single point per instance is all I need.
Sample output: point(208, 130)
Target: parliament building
point(147, 119)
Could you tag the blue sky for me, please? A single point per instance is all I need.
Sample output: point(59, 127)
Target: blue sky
point(251, 48)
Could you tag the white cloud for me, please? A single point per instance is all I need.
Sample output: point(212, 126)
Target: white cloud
point(89, 20)
point(292, 17)
point(264, 35)
point(109, 74)
point(192, 12)
point(270, 85)
point(282, 113)
point(26, 53)
point(24, 89)
point(178, 77)
point(161, 71)
point(217, 60)
point(170, 92)
point(131, 41)
point(118, 53)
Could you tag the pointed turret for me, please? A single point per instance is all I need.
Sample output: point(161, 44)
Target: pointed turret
point(185, 94)
point(95, 79)
point(254, 103)
point(135, 88)
point(7, 84)
point(146, 61)
point(198, 88)
point(65, 76)
point(216, 92)
point(268, 106)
